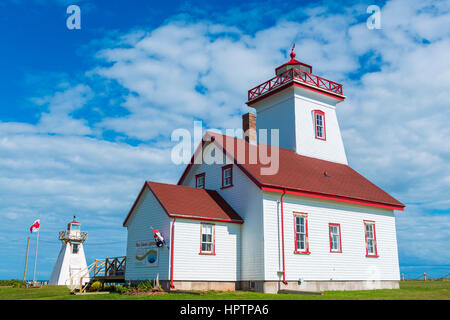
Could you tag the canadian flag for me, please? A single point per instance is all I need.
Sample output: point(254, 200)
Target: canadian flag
point(35, 226)
point(158, 238)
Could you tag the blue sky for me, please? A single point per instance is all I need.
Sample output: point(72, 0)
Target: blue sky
point(86, 115)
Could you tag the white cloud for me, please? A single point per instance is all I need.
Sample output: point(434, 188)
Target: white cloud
point(393, 123)
point(60, 106)
point(76, 172)
point(180, 72)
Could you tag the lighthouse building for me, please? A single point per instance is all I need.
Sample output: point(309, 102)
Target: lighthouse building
point(71, 263)
point(312, 224)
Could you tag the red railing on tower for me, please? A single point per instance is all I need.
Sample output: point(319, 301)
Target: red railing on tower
point(294, 75)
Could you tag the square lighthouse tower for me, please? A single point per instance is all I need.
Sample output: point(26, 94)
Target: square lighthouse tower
point(303, 107)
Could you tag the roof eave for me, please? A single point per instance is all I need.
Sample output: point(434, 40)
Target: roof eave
point(310, 194)
point(183, 216)
point(174, 215)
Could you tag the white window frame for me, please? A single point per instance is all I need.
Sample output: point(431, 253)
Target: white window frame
point(371, 239)
point(319, 125)
point(227, 170)
point(298, 233)
point(335, 237)
point(204, 241)
point(200, 177)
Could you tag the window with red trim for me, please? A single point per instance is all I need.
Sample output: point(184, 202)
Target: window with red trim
point(301, 233)
point(200, 181)
point(207, 238)
point(319, 125)
point(371, 239)
point(227, 176)
point(335, 237)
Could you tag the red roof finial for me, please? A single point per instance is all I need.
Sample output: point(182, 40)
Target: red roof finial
point(292, 51)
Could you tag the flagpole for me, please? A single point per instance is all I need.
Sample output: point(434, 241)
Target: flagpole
point(26, 261)
point(35, 259)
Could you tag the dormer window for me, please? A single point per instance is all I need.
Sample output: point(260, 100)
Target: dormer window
point(200, 181)
point(319, 124)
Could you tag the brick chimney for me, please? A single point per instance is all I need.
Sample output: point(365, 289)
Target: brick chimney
point(249, 127)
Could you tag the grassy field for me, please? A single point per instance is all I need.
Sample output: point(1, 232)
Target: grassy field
point(415, 290)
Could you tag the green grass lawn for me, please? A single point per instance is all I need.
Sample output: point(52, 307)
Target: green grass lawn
point(422, 290)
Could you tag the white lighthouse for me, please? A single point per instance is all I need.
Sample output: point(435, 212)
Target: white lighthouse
point(71, 260)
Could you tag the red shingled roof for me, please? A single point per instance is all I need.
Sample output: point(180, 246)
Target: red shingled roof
point(308, 176)
point(190, 203)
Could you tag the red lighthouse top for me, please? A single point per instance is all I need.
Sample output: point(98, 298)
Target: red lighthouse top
point(299, 74)
point(293, 64)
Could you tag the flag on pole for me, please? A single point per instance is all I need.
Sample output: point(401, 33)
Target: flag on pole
point(35, 226)
point(158, 238)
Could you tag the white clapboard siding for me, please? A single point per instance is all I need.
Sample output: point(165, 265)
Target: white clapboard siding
point(246, 199)
point(321, 265)
point(306, 143)
point(148, 212)
point(190, 265)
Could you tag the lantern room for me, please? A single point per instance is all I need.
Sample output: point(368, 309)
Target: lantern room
point(74, 226)
point(293, 64)
point(296, 73)
point(73, 232)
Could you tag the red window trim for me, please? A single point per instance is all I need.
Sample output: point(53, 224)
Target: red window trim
point(305, 215)
point(213, 253)
point(366, 222)
point(324, 126)
point(229, 166)
point(340, 239)
point(204, 179)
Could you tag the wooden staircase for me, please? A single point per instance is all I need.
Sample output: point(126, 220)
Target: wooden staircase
point(109, 270)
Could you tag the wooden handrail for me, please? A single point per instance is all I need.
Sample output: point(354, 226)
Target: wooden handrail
point(107, 268)
point(67, 235)
point(83, 273)
point(291, 75)
point(115, 265)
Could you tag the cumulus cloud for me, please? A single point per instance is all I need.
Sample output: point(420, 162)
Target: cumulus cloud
point(58, 119)
point(391, 125)
point(177, 73)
